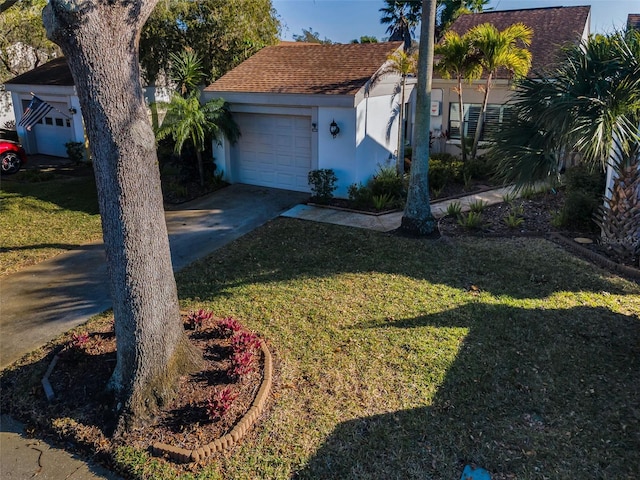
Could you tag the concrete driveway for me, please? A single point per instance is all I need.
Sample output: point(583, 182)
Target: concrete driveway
point(44, 301)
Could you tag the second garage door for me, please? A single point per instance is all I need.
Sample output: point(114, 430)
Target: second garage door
point(273, 151)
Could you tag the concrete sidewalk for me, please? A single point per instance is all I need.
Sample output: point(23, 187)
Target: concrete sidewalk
point(389, 221)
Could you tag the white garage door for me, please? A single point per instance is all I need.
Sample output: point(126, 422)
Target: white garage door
point(273, 151)
point(53, 131)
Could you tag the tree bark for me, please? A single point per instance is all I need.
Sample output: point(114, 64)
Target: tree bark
point(463, 147)
point(417, 218)
point(480, 124)
point(100, 42)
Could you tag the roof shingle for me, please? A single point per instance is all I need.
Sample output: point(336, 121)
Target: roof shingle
point(54, 72)
point(552, 27)
point(307, 68)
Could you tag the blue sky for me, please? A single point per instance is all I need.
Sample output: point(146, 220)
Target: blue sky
point(343, 20)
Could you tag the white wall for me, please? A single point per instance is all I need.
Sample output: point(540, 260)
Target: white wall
point(338, 153)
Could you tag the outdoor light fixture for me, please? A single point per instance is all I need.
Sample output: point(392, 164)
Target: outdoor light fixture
point(314, 127)
point(72, 111)
point(334, 129)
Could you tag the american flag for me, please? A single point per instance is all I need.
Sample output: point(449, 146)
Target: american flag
point(37, 109)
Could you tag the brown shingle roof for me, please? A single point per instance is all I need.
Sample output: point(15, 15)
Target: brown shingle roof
point(307, 68)
point(552, 28)
point(633, 21)
point(55, 72)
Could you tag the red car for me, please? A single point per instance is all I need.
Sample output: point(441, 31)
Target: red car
point(12, 157)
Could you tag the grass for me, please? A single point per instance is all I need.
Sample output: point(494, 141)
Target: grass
point(39, 220)
point(405, 358)
point(402, 358)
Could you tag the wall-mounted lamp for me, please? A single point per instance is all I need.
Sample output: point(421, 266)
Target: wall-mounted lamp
point(334, 129)
point(314, 127)
point(73, 111)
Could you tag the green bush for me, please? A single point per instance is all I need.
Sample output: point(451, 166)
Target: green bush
point(481, 168)
point(323, 184)
point(360, 195)
point(75, 152)
point(583, 196)
point(388, 182)
point(443, 171)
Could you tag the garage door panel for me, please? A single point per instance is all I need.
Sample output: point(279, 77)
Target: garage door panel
point(273, 151)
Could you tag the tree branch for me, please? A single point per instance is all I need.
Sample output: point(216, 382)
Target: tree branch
point(7, 4)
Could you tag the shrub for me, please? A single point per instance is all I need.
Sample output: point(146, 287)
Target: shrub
point(220, 404)
point(387, 181)
point(480, 168)
point(444, 168)
point(454, 209)
point(513, 220)
point(478, 206)
point(228, 326)
point(195, 319)
point(322, 184)
point(380, 202)
point(360, 195)
point(471, 220)
point(75, 152)
point(583, 197)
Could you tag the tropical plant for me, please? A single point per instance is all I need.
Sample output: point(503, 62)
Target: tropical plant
point(450, 10)
point(417, 217)
point(478, 206)
point(402, 17)
point(513, 220)
point(456, 59)
point(590, 103)
point(186, 71)
point(471, 221)
point(499, 49)
point(454, 209)
point(189, 121)
point(403, 64)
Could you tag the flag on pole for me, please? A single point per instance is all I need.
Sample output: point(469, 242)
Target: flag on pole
point(36, 109)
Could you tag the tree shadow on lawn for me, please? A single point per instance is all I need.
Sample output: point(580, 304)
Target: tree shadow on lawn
point(531, 394)
point(287, 249)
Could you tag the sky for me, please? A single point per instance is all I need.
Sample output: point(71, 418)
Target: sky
point(344, 20)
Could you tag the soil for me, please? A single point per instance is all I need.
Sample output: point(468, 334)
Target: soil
point(84, 416)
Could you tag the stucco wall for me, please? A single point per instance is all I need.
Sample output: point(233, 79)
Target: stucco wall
point(338, 153)
point(500, 93)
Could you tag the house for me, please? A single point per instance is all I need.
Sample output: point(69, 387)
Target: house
point(53, 83)
point(553, 27)
point(291, 99)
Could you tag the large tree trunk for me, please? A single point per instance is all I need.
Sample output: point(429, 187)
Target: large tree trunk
point(417, 218)
point(100, 42)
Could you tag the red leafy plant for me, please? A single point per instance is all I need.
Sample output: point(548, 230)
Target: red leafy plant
point(79, 341)
point(245, 350)
point(196, 318)
point(220, 404)
point(228, 326)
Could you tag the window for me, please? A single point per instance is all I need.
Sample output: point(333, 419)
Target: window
point(59, 122)
point(496, 115)
point(48, 121)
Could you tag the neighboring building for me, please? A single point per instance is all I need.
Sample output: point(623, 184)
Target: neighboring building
point(53, 83)
point(633, 21)
point(285, 99)
point(553, 27)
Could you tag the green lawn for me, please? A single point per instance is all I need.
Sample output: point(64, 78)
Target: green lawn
point(41, 219)
point(404, 358)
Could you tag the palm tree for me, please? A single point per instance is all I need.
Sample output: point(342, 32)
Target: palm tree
point(186, 71)
point(455, 58)
point(499, 49)
point(402, 16)
point(417, 218)
point(450, 10)
point(189, 121)
point(403, 64)
point(590, 104)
